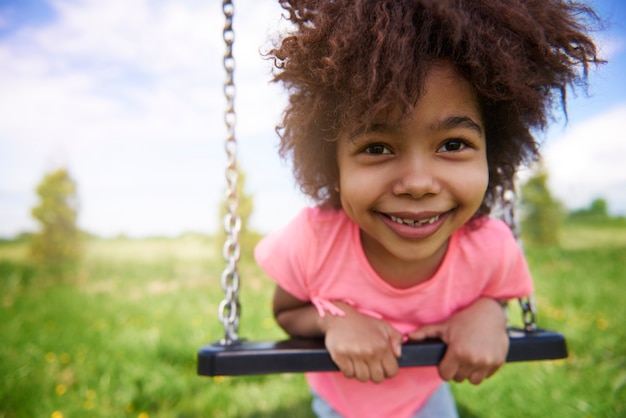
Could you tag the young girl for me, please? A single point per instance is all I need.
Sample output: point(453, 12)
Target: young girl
point(406, 123)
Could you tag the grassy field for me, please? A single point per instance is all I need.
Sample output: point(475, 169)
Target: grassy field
point(119, 338)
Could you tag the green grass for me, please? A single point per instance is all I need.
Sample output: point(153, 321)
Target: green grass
point(579, 293)
point(119, 338)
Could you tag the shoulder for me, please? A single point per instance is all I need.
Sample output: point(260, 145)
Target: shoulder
point(311, 227)
point(310, 217)
point(489, 249)
point(311, 220)
point(486, 228)
point(294, 254)
point(322, 214)
point(486, 235)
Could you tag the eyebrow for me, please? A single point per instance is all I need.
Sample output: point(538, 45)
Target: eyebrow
point(458, 122)
point(451, 122)
point(384, 127)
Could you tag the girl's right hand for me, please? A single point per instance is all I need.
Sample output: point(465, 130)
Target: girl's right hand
point(362, 347)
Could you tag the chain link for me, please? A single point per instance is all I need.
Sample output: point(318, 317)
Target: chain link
point(509, 197)
point(529, 313)
point(229, 309)
point(529, 309)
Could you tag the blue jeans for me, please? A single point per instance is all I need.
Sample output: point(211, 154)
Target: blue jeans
point(440, 405)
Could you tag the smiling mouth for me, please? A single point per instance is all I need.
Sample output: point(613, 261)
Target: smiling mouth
point(412, 222)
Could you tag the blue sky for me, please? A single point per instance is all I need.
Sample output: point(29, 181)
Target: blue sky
point(128, 96)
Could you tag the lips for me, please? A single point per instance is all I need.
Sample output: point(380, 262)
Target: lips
point(414, 226)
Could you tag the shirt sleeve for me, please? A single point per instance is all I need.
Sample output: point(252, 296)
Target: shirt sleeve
point(283, 254)
point(511, 278)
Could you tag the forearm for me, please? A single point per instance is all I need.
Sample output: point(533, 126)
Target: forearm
point(299, 318)
point(303, 321)
point(494, 309)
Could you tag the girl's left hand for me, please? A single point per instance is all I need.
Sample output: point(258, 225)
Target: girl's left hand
point(476, 338)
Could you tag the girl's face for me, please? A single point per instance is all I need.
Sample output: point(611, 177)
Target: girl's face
point(409, 186)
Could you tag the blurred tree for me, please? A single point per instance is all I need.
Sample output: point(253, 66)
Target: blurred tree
point(542, 214)
point(598, 210)
point(247, 237)
point(58, 242)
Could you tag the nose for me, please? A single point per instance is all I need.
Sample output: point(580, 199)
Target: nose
point(416, 178)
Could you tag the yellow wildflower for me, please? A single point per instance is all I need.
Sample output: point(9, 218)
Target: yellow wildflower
point(60, 389)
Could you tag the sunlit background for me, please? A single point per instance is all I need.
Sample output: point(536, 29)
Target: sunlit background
point(128, 96)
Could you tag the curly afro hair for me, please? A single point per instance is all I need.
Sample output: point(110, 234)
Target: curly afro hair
point(344, 61)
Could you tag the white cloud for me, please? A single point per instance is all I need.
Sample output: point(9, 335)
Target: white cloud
point(588, 161)
point(129, 96)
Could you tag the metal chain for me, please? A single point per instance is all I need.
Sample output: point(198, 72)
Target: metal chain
point(529, 309)
point(529, 313)
point(509, 197)
point(229, 309)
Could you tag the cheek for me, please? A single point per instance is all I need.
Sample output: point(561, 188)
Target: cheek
point(484, 177)
point(358, 182)
point(356, 188)
point(471, 183)
point(350, 180)
point(481, 182)
point(348, 184)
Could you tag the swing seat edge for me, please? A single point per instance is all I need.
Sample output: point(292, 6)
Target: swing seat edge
point(310, 355)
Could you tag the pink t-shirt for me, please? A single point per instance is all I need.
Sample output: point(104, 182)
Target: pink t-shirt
point(319, 254)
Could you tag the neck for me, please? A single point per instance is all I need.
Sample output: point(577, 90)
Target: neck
point(403, 275)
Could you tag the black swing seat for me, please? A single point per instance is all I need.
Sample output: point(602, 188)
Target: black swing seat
point(310, 355)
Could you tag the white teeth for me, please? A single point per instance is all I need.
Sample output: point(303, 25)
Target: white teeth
point(411, 222)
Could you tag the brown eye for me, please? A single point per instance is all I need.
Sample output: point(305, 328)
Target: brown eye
point(377, 149)
point(451, 146)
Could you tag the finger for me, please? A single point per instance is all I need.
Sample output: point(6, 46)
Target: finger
point(361, 371)
point(428, 331)
point(390, 366)
point(376, 372)
point(448, 367)
point(492, 371)
point(459, 378)
point(468, 372)
point(345, 365)
point(477, 376)
point(396, 340)
point(475, 372)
